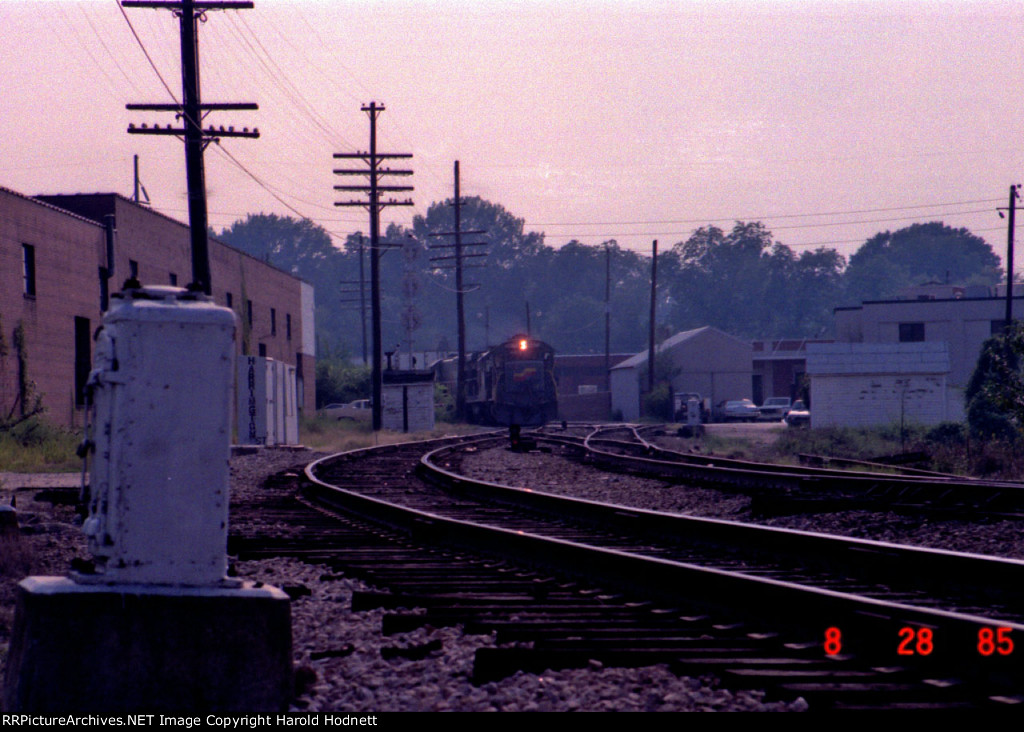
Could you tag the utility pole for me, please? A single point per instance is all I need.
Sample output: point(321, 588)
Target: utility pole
point(374, 188)
point(191, 112)
point(607, 316)
point(1012, 211)
point(460, 291)
point(362, 297)
point(654, 291)
point(140, 196)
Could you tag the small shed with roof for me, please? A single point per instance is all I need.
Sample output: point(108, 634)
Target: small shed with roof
point(705, 360)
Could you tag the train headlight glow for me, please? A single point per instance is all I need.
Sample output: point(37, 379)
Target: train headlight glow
point(522, 344)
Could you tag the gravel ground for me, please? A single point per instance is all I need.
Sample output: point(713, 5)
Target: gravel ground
point(338, 653)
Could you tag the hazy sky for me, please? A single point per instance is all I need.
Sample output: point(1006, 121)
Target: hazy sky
point(591, 120)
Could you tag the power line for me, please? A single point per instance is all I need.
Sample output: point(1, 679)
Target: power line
point(145, 52)
point(769, 216)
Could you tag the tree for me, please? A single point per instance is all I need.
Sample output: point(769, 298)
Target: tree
point(932, 252)
point(299, 247)
point(747, 285)
point(995, 392)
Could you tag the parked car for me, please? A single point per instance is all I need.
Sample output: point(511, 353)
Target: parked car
point(799, 415)
point(357, 411)
point(775, 409)
point(737, 410)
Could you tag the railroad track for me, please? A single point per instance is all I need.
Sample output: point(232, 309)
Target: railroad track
point(565, 582)
point(778, 489)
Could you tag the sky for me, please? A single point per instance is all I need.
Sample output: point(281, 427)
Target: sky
point(631, 120)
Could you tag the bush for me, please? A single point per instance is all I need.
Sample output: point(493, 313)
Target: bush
point(658, 402)
point(444, 404)
point(947, 434)
point(338, 381)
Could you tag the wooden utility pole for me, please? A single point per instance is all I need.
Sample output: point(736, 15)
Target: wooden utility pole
point(373, 189)
point(460, 291)
point(654, 292)
point(191, 112)
point(607, 317)
point(1011, 212)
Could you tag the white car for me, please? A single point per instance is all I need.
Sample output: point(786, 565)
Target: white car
point(357, 411)
point(799, 415)
point(775, 409)
point(737, 410)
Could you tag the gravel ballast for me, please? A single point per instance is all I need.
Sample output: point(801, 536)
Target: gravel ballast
point(340, 654)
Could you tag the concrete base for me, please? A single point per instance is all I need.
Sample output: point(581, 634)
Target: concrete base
point(134, 648)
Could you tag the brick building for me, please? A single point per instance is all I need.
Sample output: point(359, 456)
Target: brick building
point(53, 250)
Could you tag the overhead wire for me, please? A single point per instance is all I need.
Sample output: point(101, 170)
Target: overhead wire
point(149, 58)
point(243, 31)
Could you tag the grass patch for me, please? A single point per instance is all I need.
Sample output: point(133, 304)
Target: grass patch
point(329, 435)
point(35, 446)
point(948, 447)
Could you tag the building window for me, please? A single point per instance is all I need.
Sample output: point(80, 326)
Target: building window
point(28, 258)
point(911, 332)
point(288, 325)
point(273, 321)
point(248, 311)
point(133, 269)
point(83, 358)
point(174, 280)
point(229, 300)
point(263, 350)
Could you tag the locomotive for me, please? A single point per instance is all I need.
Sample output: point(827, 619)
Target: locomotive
point(512, 383)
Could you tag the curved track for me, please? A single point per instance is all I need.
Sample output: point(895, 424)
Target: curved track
point(761, 586)
point(785, 488)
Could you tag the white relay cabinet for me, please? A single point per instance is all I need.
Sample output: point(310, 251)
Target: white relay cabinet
point(162, 388)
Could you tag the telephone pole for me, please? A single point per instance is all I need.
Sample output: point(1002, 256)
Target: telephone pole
point(374, 204)
point(654, 292)
point(607, 317)
point(460, 292)
point(191, 111)
point(1012, 211)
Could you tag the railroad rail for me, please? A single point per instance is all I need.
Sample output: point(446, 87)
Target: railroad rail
point(777, 488)
point(844, 623)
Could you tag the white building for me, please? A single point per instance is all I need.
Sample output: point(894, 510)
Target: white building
point(705, 360)
point(958, 324)
point(861, 384)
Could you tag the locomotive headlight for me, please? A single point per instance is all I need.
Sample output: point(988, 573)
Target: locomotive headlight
point(522, 344)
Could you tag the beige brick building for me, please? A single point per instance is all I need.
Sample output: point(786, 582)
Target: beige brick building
point(53, 250)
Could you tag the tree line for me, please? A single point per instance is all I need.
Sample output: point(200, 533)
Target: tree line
point(741, 280)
